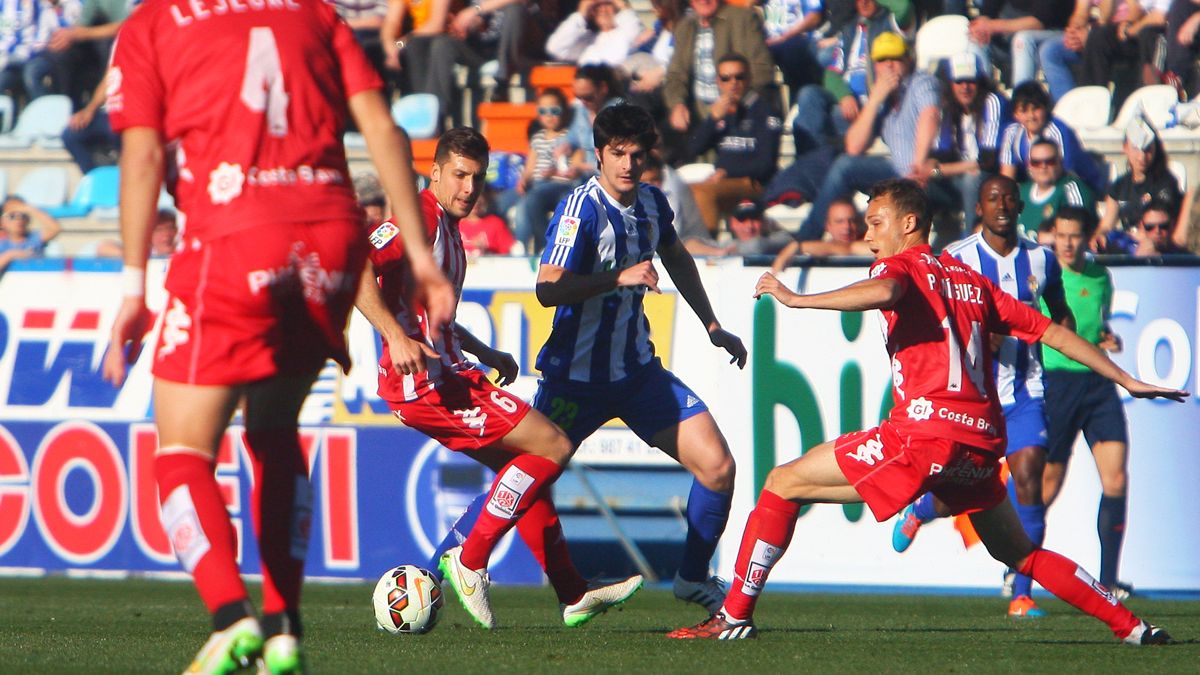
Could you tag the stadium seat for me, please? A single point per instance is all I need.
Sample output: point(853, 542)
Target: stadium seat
point(45, 187)
point(422, 151)
point(98, 189)
point(506, 125)
point(1154, 101)
point(42, 121)
point(417, 114)
point(8, 113)
point(1085, 108)
point(560, 76)
point(939, 38)
point(695, 173)
point(1179, 170)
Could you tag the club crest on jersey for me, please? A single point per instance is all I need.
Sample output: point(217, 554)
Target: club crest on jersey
point(568, 227)
point(225, 183)
point(383, 234)
point(1033, 284)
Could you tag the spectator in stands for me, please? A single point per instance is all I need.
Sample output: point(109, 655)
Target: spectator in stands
point(903, 109)
point(1150, 237)
point(549, 172)
point(89, 137)
point(600, 31)
point(825, 112)
point(84, 44)
point(973, 116)
point(365, 18)
point(1132, 42)
point(844, 230)
point(19, 240)
point(1031, 108)
point(164, 237)
point(792, 28)
point(713, 30)
point(595, 87)
point(647, 66)
point(1147, 179)
point(484, 232)
point(744, 129)
point(688, 222)
point(1026, 24)
point(1049, 188)
point(371, 198)
point(1183, 27)
point(1060, 55)
point(25, 61)
point(753, 234)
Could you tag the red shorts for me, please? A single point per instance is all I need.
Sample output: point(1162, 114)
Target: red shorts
point(259, 302)
point(465, 412)
point(890, 471)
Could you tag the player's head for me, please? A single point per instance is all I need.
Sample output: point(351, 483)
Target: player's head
point(999, 205)
point(1031, 106)
point(459, 166)
point(897, 217)
point(624, 135)
point(1073, 228)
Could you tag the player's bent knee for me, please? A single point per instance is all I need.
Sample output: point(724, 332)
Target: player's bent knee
point(788, 482)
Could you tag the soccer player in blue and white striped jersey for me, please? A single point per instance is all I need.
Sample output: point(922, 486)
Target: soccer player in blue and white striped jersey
point(1029, 273)
point(599, 363)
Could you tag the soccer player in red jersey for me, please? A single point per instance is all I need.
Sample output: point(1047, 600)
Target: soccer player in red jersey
point(432, 387)
point(945, 434)
point(246, 103)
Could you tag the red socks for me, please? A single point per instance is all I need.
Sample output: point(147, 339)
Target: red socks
point(1071, 583)
point(197, 523)
point(542, 532)
point(768, 533)
point(514, 490)
point(281, 505)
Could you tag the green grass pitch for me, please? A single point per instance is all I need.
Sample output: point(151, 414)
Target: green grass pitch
point(61, 625)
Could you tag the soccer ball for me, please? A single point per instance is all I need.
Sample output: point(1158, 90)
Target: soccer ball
point(406, 600)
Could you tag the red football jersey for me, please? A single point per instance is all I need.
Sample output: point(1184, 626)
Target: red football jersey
point(251, 99)
point(938, 339)
point(396, 281)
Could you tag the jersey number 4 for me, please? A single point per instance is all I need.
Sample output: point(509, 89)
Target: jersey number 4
point(262, 85)
point(971, 359)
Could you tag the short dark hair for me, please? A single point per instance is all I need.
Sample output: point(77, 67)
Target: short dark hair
point(734, 57)
point(999, 178)
point(1079, 215)
point(1030, 92)
point(1157, 204)
point(907, 196)
point(1042, 140)
point(598, 74)
point(463, 141)
point(624, 122)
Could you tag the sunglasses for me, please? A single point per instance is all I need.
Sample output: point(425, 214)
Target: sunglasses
point(16, 215)
point(740, 77)
point(1150, 227)
point(1043, 162)
point(549, 110)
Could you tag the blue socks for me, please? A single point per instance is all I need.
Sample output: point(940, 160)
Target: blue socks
point(457, 534)
point(707, 513)
point(923, 508)
point(1110, 523)
point(1033, 519)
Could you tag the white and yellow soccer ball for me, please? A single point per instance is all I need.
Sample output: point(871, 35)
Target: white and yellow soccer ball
point(406, 600)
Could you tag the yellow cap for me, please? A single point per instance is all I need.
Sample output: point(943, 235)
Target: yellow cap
point(888, 46)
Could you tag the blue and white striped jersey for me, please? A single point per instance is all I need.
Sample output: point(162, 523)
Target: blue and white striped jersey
point(1027, 273)
point(607, 337)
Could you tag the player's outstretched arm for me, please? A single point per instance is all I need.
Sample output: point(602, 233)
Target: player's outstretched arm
point(1075, 347)
point(857, 297)
point(141, 177)
point(392, 155)
point(408, 355)
point(682, 267)
point(502, 362)
point(559, 286)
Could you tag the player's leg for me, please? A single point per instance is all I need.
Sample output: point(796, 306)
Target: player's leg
point(281, 506)
point(698, 445)
point(1026, 463)
point(191, 420)
point(1004, 536)
point(1111, 460)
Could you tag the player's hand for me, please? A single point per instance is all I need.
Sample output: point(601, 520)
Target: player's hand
point(641, 274)
point(503, 363)
point(769, 285)
point(730, 343)
point(128, 330)
point(1139, 389)
point(408, 355)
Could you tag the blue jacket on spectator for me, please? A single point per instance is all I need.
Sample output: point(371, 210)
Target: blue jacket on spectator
point(1014, 151)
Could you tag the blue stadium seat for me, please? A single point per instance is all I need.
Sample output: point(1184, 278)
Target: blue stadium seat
point(44, 186)
point(98, 189)
point(417, 114)
point(42, 121)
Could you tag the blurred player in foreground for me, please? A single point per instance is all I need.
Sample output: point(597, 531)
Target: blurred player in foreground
point(431, 386)
point(945, 434)
point(248, 107)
